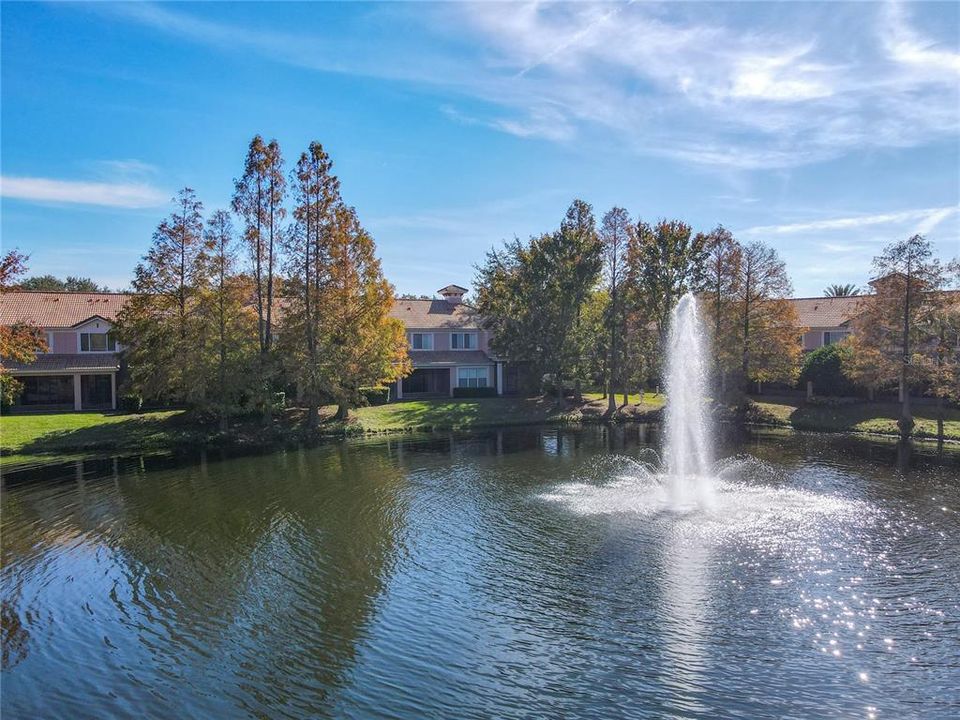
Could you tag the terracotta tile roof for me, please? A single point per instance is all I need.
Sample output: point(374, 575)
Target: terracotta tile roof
point(80, 361)
point(828, 311)
point(428, 314)
point(428, 358)
point(58, 309)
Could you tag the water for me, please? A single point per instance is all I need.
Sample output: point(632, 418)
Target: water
point(512, 574)
point(687, 453)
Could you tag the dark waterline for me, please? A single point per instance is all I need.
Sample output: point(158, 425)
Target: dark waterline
point(517, 573)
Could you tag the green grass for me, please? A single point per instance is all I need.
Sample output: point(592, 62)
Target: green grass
point(28, 436)
point(649, 399)
point(863, 417)
point(457, 413)
point(55, 433)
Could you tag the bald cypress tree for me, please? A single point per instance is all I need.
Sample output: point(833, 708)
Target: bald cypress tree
point(159, 324)
point(361, 344)
point(316, 192)
point(258, 198)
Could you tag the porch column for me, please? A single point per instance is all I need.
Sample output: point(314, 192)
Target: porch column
point(77, 395)
point(113, 391)
point(499, 378)
point(453, 380)
point(400, 389)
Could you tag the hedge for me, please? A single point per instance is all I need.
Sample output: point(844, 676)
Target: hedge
point(375, 395)
point(474, 392)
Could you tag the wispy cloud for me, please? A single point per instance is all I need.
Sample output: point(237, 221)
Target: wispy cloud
point(106, 194)
point(922, 221)
point(905, 45)
point(689, 83)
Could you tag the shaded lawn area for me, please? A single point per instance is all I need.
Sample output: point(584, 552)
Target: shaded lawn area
point(648, 399)
point(456, 413)
point(55, 433)
point(854, 417)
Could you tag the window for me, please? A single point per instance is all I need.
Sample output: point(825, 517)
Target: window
point(421, 341)
point(47, 390)
point(98, 342)
point(834, 336)
point(472, 377)
point(463, 341)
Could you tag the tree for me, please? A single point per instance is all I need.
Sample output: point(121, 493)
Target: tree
point(258, 199)
point(19, 342)
point(50, 283)
point(158, 323)
point(227, 327)
point(891, 332)
point(615, 229)
point(664, 262)
point(768, 325)
point(827, 368)
point(721, 282)
point(362, 345)
point(317, 193)
point(593, 340)
point(531, 295)
point(939, 356)
point(848, 290)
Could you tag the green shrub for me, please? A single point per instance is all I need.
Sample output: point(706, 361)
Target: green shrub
point(10, 390)
point(825, 368)
point(474, 392)
point(548, 385)
point(375, 395)
point(279, 400)
point(131, 402)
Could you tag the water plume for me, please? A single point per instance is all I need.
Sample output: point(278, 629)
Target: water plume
point(687, 452)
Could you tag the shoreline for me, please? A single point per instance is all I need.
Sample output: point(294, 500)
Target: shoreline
point(42, 438)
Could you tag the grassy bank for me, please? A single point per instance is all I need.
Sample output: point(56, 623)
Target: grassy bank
point(487, 412)
point(860, 417)
point(23, 437)
point(29, 437)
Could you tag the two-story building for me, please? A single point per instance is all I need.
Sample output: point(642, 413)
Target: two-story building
point(448, 347)
point(79, 369)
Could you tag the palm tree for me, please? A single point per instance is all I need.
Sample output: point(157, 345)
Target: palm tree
point(848, 290)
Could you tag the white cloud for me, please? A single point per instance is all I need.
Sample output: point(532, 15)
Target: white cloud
point(921, 221)
point(904, 45)
point(107, 194)
point(700, 84)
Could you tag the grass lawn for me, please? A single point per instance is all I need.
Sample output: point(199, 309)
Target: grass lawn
point(35, 434)
point(63, 434)
point(854, 417)
point(649, 399)
point(460, 413)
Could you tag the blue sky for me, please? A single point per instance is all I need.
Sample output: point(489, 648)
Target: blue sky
point(827, 130)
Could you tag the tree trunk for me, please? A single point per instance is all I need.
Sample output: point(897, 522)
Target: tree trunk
point(626, 395)
point(313, 415)
point(905, 423)
point(906, 419)
point(577, 393)
point(940, 419)
point(343, 411)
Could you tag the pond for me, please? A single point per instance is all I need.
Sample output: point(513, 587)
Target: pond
point(515, 573)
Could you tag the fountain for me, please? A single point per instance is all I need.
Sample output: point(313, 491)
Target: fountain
point(687, 455)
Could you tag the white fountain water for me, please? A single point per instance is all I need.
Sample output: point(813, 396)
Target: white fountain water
point(687, 454)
